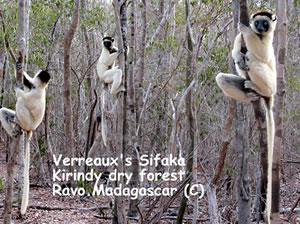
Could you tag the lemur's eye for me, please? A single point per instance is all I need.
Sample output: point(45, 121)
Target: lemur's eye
point(256, 23)
point(265, 23)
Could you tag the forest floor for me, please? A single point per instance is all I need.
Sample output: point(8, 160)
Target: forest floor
point(44, 207)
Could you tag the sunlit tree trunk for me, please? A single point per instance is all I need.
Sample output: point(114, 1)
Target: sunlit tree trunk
point(242, 148)
point(279, 108)
point(14, 145)
point(68, 112)
point(120, 124)
point(24, 53)
point(131, 139)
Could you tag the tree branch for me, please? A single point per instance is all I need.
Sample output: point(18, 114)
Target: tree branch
point(7, 45)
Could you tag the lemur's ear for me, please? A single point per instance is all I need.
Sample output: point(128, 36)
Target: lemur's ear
point(274, 17)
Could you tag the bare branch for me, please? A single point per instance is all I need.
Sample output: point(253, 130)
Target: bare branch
point(6, 40)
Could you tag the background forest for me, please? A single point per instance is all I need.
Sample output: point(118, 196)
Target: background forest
point(172, 105)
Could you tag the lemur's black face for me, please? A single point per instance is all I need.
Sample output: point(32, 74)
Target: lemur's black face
point(44, 76)
point(261, 25)
point(108, 42)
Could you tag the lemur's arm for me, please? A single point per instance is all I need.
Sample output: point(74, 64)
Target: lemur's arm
point(27, 81)
point(112, 57)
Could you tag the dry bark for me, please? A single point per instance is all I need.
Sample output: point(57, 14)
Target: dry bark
point(68, 112)
point(131, 139)
point(120, 11)
point(189, 111)
point(279, 108)
point(12, 160)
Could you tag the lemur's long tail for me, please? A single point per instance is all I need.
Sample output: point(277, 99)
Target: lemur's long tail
point(103, 125)
point(270, 139)
point(25, 197)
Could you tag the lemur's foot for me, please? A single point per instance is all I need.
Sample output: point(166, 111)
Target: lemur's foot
point(243, 66)
point(242, 26)
point(252, 96)
point(120, 89)
point(18, 66)
point(241, 61)
point(121, 50)
point(11, 119)
point(249, 84)
point(16, 132)
point(19, 86)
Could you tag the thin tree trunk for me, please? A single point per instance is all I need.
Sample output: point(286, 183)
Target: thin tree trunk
point(231, 110)
point(68, 112)
point(261, 191)
point(39, 163)
point(141, 71)
point(131, 139)
point(49, 153)
point(89, 53)
point(14, 145)
point(21, 41)
point(242, 154)
point(24, 51)
point(259, 116)
point(225, 142)
point(3, 63)
point(120, 126)
point(26, 30)
point(12, 159)
point(162, 22)
point(279, 109)
point(190, 117)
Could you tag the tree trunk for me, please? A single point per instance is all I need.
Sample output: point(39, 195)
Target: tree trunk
point(260, 119)
point(190, 117)
point(3, 64)
point(14, 145)
point(90, 74)
point(21, 41)
point(120, 123)
point(12, 159)
point(68, 112)
point(24, 31)
point(141, 72)
point(242, 153)
point(279, 108)
point(261, 188)
point(131, 139)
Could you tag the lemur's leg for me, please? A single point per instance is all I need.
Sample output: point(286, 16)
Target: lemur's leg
point(113, 76)
point(9, 121)
point(234, 87)
point(116, 85)
point(263, 79)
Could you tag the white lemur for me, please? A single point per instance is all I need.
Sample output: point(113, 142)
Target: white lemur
point(260, 64)
point(108, 73)
point(106, 69)
point(30, 110)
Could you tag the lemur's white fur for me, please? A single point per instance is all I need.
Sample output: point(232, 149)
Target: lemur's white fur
point(106, 69)
point(109, 73)
point(30, 110)
point(261, 62)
